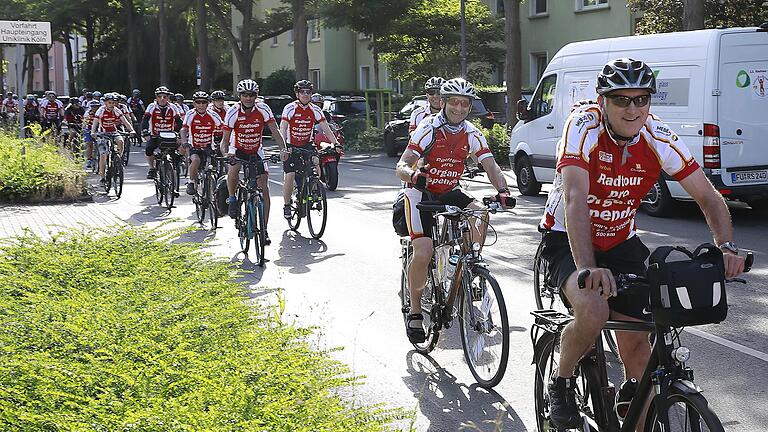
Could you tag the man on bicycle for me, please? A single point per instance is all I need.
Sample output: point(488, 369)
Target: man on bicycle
point(160, 116)
point(107, 118)
point(136, 105)
point(298, 119)
point(51, 112)
point(217, 106)
point(610, 155)
point(9, 106)
point(197, 130)
point(93, 106)
point(243, 129)
point(73, 114)
point(449, 139)
point(432, 88)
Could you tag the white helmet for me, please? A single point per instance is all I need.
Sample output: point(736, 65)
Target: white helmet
point(457, 87)
point(434, 83)
point(247, 85)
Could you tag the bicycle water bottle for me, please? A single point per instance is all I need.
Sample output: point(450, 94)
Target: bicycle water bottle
point(623, 399)
point(450, 271)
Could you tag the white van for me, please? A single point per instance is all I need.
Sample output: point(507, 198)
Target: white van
point(712, 91)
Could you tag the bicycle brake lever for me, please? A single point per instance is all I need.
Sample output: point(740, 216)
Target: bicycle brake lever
point(736, 279)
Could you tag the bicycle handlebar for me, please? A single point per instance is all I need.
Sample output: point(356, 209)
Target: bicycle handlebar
point(450, 210)
point(236, 160)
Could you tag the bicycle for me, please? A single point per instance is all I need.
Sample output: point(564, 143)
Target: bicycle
point(166, 178)
point(250, 222)
point(113, 171)
point(481, 310)
point(677, 403)
point(205, 192)
point(127, 149)
point(548, 296)
point(308, 198)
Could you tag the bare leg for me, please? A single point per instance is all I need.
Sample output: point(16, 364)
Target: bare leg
point(417, 270)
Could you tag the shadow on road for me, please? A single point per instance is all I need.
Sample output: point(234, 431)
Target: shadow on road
point(297, 252)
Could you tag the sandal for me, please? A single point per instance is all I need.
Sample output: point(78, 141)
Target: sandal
point(414, 328)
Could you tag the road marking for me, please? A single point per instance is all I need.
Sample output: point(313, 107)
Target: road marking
point(726, 343)
point(490, 257)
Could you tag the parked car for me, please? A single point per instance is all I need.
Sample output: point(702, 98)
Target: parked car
point(276, 104)
point(347, 107)
point(396, 131)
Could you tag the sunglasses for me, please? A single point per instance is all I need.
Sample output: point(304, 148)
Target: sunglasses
point(433, 92)
point(305, 92)
point(248, 94)
point(465, 103)
point(624, 101)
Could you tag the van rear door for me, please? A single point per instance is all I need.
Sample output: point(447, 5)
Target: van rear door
point(742, 113)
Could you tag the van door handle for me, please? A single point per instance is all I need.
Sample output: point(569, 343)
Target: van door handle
point(549, 126)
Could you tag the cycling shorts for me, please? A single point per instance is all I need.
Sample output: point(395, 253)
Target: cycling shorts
point(627, 257)
point(261, 168)
point(103, 144)
point(152, 144)
point(420, 223)
point(296, 160)
point(87, 136)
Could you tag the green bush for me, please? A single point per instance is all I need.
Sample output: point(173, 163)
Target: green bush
point(358, 138)
point(498, 141)
point(279, 82)
point(124, 330)
point(36, 170)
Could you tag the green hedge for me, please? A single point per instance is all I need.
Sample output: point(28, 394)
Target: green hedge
point(498, 140)
point(124, 330)
point(358, 138)
point(36, 170)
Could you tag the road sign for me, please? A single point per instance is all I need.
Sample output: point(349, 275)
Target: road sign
point(25, 32)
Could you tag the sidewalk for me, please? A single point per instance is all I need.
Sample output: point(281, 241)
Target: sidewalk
point(46, 220)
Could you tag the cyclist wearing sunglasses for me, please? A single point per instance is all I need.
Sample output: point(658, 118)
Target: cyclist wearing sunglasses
point(434, 103)
point(197, 130)
point(431, 167)
point(611, 154)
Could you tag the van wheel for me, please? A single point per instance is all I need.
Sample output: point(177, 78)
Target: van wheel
point(389, 144)
point(658, 202)
point(526, 180)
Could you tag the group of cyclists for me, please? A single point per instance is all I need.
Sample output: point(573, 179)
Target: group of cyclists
point(611, 153)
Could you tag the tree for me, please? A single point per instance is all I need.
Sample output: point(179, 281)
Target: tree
point(513, 65)
point(201, 34)
point(693, 14)
point(372, 17)
point(425, 41)
point(663, 16)
point(300, 54)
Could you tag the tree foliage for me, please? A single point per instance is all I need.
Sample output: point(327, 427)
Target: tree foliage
point(663, 16)
point(279, 82)
point(425, 41)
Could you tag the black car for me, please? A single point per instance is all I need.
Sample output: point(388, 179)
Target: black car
point(348, 107)
point(276, 104)
point(396, 131)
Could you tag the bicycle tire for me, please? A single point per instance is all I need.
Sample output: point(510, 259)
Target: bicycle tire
point(317, 207)
point(428, 310)
point(242, 229)
point(296, 208)
point(199, 199)
point(169, 186)
point(259, 238)
point(107, 176)
point(696, 415)
point(118, 176)
point(487, 366)
point(210, 197)
point(159, 184)
point(126, 153)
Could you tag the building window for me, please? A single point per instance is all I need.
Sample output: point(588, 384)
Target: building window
point(396, 86)
point(591, 4)
point(37, 63)
point(50, 85)
point(365, 77)
point(290, 37)
point(314, 30)
point(314, 76)
point(50, 62)
point(538, 7)
point(274, 41)
point(538, 64)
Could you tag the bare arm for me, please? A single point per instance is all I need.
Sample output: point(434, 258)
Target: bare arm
point(127, 124)
point(95, 126)
point(493, 171)
point(575, 190)
point(283, 129)
point(406, 165)
point(184, 134)
point(328, 132)
point(225, 141)
point(276, 135)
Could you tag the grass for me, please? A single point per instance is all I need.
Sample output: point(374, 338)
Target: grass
point(34, 170)
point(123, 330)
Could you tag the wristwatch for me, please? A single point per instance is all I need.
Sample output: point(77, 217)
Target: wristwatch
point(729, 247)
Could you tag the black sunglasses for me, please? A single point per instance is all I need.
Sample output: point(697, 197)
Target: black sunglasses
point(624, 101)
point(433, 92)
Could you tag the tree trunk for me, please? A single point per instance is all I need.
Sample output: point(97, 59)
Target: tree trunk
point(29, 57)
point(201, 33)
point(70, 65)
point(693, 14)
point(163, 41)
point(133, 33)
point(375, 53)
point(90, 50)
point(300, 54)
point(513, 66)
point(46, 67)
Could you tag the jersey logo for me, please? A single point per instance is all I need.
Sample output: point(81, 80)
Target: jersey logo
point(605, 157)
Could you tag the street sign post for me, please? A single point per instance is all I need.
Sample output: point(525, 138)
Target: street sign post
point(23, 33)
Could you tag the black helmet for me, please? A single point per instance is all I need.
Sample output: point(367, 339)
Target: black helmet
point(302, 85)
point(200, 95)
point(136, 92)
point(162, 90)
point(218, 94)
point(625, 73)
point(74, 100)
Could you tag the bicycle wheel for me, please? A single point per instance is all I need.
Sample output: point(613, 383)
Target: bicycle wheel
point(260, 229)
point(199, 199)
point(210, 198)
point(686, 412)
point(296, 209)
point(108, 174)
point(484, 326)
point(169, 185)
point(159, 180)
point(242, 223)
point(126, 153)
point(317, 208)
point(118, 176)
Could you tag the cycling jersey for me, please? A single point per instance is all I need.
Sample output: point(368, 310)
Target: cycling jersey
point(417, 116)
point(10, 105)
point(74, 116)
point(450, 149)
point(182, 108)
point(88, 121)
point(200, 127)
point(222, 112)
point(159, 118)
point(136, 105)
point(301, 119)
point(247, 128)
point(51, 109)
point(619, 177)
point(109, 119)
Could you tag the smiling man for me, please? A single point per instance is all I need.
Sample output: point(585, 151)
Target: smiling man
point(434, 103)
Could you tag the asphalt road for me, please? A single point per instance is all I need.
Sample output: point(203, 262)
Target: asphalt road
point(346, 286)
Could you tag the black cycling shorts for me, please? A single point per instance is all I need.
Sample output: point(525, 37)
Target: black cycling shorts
point(296, 160)
point(627, 257)
point(260, 168)
point(420, 223)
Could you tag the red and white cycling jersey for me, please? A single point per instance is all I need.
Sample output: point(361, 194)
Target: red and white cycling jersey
point(109, 120)
point(445, 161)
point(418, 115)
point(301, 119)
point(222, 112)
point(51, 109)
point(161, 118)
point(10, 105)
point(201, 127)
point(619, 177)
point(247, 127)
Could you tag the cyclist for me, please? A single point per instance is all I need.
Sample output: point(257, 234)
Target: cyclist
point(136, 104)
point(432, 89)
point(107, 119)
point(160, 116)
point(9, 106)
point(218, 107)
point(31, 110)
point(243, 128)
point(610, 155)
point(51, 112)
point(85, 97)
point(93, 106)
point(451, 139)
point(298, 119)
point(73, 114)
point(182, 108)
point(317, 99)
point(197, 129)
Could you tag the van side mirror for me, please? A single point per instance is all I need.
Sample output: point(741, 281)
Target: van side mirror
point(522, 110)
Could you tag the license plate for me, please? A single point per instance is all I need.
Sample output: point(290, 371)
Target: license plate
point(749, 176)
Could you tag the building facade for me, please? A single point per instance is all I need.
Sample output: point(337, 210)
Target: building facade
point(57, 64)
